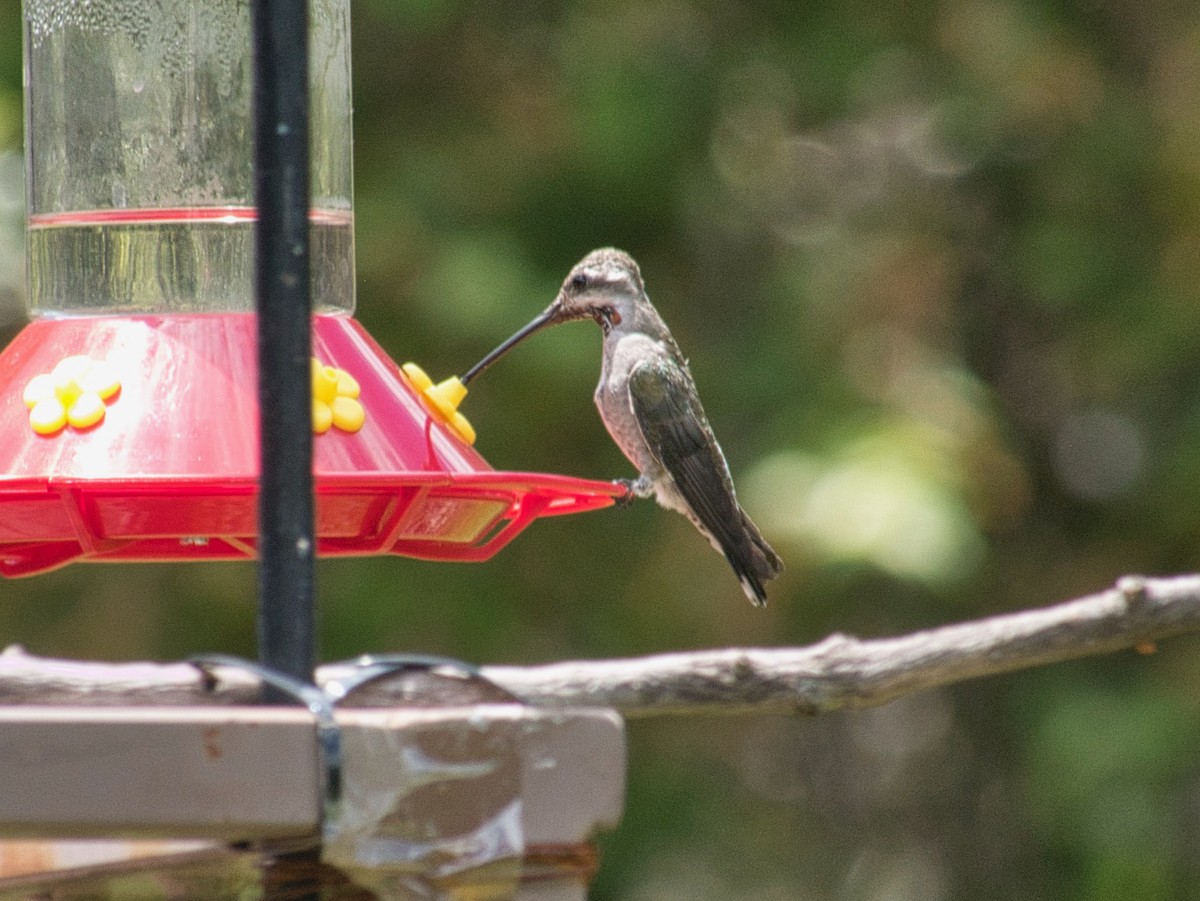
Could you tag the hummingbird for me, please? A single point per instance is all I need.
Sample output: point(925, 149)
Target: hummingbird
point(648, 402)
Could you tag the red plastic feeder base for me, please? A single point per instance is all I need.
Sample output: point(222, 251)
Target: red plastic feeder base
point(170, 471)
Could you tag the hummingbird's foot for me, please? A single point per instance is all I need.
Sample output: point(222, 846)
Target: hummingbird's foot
point(634, 488)
point(628, 497)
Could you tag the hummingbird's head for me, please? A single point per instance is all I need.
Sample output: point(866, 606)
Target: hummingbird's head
point(605, 286)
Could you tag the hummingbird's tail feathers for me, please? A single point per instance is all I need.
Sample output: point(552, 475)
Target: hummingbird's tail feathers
point(753, 587)
point(758, 563)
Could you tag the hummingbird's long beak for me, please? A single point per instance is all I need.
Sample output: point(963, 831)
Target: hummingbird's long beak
point(552, 315)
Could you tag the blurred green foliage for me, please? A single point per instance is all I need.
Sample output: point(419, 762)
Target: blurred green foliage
point(936, 266)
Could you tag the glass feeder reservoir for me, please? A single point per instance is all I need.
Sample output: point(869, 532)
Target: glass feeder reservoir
point(128, 407)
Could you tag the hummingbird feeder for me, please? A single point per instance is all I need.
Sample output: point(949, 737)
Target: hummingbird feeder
point(128, 407)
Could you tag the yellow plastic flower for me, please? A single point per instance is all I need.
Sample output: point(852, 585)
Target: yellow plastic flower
point(335, 400)
point(73, 393)
point(442, 399)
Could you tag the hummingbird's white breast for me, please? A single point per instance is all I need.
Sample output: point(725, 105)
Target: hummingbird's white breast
point(625, 351)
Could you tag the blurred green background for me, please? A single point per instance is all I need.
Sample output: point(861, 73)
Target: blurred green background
point(936, 266)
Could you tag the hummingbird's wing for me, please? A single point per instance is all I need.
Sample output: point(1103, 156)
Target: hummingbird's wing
point(673, 423)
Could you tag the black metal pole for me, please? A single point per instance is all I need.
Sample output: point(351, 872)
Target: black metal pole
point(286, 617)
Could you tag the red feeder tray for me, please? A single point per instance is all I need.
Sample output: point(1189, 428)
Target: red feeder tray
point(171, 470)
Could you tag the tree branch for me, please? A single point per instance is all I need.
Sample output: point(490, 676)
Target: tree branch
point(839, 672)
point(844, 672)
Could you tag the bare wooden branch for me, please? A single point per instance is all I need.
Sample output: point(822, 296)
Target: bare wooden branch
point(836, 673)
point(844, 672)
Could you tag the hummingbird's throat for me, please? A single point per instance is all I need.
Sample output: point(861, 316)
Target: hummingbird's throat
point(606, 318)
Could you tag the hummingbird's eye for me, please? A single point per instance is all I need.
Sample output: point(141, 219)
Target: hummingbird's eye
point(579, 281)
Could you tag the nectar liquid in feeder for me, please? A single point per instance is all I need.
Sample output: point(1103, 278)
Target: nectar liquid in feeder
point(139, 142)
